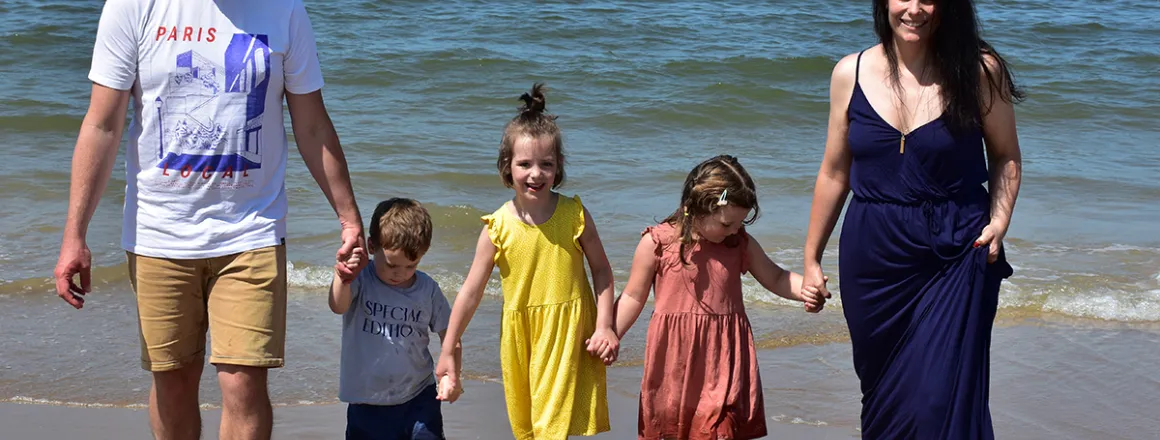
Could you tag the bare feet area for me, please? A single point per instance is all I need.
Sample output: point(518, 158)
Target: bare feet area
point(479, 414)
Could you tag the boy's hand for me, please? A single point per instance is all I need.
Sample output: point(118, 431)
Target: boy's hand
point(605, 345)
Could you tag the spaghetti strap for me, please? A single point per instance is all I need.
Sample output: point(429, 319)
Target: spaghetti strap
point(858, 66)
point(857, 70)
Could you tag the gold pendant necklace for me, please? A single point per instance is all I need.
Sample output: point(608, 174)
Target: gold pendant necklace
point(921, 94)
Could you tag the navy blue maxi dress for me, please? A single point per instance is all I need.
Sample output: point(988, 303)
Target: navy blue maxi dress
point(918, 298)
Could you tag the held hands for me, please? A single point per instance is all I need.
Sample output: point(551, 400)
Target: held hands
point(604, 344)
point(347, 266)
point(349, 269)
point(449, 388)
point(992, 236)
point(814, 292)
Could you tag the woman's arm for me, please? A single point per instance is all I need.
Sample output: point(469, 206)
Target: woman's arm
point(1004, 157)
point(833, 181)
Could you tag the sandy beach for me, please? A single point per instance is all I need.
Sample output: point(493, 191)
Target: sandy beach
point(1048, 381)
point(479, 414)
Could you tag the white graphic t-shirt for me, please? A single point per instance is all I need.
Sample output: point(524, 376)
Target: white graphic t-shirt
point(206, 160)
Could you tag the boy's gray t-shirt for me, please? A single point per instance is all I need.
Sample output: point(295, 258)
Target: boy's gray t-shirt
point(385, 336)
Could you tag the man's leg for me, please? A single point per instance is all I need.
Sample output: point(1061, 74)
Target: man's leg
point(173, 409)
point(246, 411)
point(172, 324)
point(247, 327)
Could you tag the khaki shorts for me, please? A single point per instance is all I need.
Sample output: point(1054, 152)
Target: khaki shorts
point(240, 299)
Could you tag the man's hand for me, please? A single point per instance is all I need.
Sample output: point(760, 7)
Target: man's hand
point(353, 243)
point(75, 259)
point(352, 264)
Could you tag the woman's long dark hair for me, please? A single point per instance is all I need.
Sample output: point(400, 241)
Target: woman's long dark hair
point(956, 54)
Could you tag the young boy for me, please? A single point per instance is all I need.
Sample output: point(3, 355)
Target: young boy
point(388, 310)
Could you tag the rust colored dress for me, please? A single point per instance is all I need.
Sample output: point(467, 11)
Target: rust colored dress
point(701, 379)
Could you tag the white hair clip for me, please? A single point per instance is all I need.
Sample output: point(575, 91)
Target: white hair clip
point(722, 201)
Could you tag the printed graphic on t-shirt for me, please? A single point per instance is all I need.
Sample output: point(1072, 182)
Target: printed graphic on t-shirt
point(391, 321)
point(194, 117)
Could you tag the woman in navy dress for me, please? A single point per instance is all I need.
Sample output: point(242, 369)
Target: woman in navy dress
point(918, 124)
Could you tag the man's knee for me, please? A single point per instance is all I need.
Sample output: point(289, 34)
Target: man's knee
point(179, 384)
point(242, 384)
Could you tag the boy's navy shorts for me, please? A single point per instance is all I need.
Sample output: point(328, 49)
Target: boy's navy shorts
point(418, 419)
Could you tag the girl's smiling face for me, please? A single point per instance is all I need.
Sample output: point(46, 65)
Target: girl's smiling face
point(534, 167)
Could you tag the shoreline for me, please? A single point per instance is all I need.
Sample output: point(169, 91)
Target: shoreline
point(810, 392)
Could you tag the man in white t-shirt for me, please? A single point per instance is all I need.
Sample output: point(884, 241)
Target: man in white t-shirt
point(205, 200)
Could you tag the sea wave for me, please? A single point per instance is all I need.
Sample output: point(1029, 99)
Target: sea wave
point(1079, 295)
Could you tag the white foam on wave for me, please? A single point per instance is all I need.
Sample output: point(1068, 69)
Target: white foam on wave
point(1114, 306)
point(318, 277)
point(308, 276)
point(1049, 292)
point(1126, 303)
point(39, 401)
point(782, 418)
point(1118, 247)
point(1058, 248)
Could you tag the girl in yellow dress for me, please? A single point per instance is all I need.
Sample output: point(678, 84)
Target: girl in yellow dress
point(555, 337)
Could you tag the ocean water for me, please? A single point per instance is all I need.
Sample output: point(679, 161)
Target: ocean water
point(420, 91)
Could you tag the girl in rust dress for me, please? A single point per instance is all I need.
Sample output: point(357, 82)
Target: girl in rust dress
point(701, 379)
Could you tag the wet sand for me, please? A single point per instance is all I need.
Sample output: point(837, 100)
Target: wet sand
point(479, 414)
point(1048, 380)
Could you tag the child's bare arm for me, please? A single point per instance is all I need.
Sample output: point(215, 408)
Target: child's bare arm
point(602, 278)
point(604, 343)
point(782, 282)
point(449, 392)
point(458, 352)
point(340, 290)
point(640, 282)
point(466, 302)
point(340, 295)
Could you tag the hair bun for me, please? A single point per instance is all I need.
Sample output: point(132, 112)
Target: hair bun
point(534, 101)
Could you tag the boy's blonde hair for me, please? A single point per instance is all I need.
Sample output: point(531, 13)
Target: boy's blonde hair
point(400, 223)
